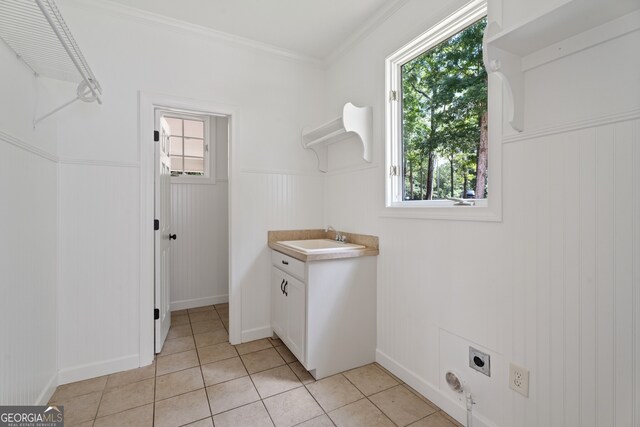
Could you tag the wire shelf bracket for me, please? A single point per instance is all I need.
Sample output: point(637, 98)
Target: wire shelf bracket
point(37, 33)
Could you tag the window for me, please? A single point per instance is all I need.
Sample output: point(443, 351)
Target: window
point(438, 116)
point(189, 145)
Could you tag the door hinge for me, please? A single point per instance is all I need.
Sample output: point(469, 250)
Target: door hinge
point(156, 313)
point(156, 224)
point(393, 171)
point(393, 95)
point(156, 136)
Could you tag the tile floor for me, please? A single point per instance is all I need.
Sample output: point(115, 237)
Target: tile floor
point(199, 379)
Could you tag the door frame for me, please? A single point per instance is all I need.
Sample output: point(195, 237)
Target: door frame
point(147, 103)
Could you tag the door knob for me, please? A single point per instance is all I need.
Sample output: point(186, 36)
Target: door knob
point(172, 237)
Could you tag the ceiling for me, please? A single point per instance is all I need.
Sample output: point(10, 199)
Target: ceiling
point(313, 28)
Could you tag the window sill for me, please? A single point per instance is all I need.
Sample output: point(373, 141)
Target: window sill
point(444, 211)
point(193, 180)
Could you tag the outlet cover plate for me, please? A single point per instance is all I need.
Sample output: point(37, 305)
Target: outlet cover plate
point(519, 379)
point(480, 361)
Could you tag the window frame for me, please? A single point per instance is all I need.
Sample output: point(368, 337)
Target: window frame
point(209, 147)
point(488, 209)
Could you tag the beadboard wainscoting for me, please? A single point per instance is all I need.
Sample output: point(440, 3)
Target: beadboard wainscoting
point(99, 269)
point(200, 254)
point(28, 261)
point(29, 249)
point(273, 200)
point(554, 289)
point(555, 286)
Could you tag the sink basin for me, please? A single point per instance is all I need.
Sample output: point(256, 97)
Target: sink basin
point(317, 246)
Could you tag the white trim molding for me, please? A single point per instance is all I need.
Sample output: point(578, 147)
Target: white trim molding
point(103, 163)
point(147, 103)
point(98, 369)
point(48, 390)
point(395, 207)
point(574, 125)
point(430, 391)
point(28, 147)
point(154, 19)
point(367, 28)
point(199, 302)
point(256, 333)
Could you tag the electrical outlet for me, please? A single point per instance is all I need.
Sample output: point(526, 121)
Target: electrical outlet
point(480, 361)
point(519, 379)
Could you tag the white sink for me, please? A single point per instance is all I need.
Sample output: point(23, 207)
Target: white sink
point(316, 246)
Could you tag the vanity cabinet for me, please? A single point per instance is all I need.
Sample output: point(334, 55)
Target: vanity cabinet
point(288, 304)
point(324, 311)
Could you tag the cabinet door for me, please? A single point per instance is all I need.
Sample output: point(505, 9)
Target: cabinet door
point(296, 317)
point(278, 303)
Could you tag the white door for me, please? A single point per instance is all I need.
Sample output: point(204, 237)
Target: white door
point(278, 303)
point(295, 293)
point(162, 235)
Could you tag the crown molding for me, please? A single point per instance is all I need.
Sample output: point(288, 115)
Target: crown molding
point(193, 29)
point(364, 30)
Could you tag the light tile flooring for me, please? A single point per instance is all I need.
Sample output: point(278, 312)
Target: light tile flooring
point(199, 379)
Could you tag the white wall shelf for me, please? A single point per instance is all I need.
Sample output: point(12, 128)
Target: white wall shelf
point(355, 121)
point(40, 38)
point(569, 28)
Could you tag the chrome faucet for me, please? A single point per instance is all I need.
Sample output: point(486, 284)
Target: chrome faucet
point(339, 237)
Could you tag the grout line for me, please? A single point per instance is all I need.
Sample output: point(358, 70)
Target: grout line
point(155, 382)
point(256, 389)
point(316, 400)
point(262, 400)
point(380, 409)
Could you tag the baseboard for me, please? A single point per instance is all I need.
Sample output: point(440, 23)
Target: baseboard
point(430, 391)
point(199, 302)
point(48, 390)
point(256, 334)
point(97, 369)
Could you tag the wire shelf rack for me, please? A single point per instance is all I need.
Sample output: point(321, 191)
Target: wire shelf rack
point(37, 33)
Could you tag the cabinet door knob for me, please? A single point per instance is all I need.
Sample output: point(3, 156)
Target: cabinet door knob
point(286, 294)
point(282, 286)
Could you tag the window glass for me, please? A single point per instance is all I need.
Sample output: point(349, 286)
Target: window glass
point(194, 128)
point(175, 145)
point(193, 165)
point(187, 146)
point(193, 147)
point(444, 117)
point(175, 125)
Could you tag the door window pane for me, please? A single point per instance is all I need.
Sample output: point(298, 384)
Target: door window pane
point(175, 125)
point(193, 165)
point(176, 164)
point(176, 146)
point(187, 146)
point(194, 128)
point(193, 147)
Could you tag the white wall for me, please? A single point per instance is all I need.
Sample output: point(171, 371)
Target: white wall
point(274, 96)
point(554, 287)
point(200, 219)
point(28, 262)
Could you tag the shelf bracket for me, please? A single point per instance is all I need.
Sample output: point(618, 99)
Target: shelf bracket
point(355, 121)
point(508, 67)
point(84, 93)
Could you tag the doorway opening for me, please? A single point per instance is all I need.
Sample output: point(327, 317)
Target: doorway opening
point(185, 164)
point(191, 207)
